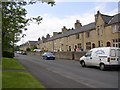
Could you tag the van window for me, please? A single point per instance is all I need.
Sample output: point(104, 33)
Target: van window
point(88, 54)
point(100, 52)
point(118, 52)
point(114, 52)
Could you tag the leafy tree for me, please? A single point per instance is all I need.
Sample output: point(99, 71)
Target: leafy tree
point(14, 21)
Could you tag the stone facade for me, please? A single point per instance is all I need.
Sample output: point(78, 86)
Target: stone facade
point(30, 44)
point(105, 31)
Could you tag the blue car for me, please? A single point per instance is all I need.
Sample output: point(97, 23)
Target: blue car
point(48, 56)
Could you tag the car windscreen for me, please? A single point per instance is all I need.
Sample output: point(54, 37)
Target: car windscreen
point(48, 53)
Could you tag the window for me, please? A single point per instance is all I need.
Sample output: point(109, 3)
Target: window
point(79, 45)
point(98, 30)
point(119, 45)
point(101, 30)
point(113, 45)
point(77, 36)
point(116, 42)
point(88, 45)
point(87, 34)
point(113, 40)
point(69, 48)
point(98, 43)
point(115, 28)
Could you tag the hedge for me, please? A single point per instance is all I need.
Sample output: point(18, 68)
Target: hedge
point(8, 54)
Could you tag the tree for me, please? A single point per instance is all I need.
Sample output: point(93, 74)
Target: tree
point(14, 21)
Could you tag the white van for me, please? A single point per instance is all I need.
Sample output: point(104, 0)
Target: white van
point(101, 57)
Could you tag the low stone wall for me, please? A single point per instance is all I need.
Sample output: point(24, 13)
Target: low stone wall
point(78, 55)
point(62, 55)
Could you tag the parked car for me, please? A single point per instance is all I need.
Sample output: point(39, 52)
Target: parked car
point(37, 50)
point(18, 52)
point(24, 53)
point(102, 57)
point(48, 56)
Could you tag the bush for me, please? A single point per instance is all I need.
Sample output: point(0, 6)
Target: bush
point(28, 49)
point(8, 54)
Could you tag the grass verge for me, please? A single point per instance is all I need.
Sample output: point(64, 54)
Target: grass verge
point(0, 80)
point(11, 63)
point(16, 77)
point(19, 80)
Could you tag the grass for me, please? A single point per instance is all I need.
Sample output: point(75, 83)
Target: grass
point(0, 80)
point(11, 63)
point(19, 80)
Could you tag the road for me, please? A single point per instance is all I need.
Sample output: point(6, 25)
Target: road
point(68, 73)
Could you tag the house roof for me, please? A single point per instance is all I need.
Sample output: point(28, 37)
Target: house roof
point(115, 19)
point(32, 42)
point(107, 19)
point(75, 31)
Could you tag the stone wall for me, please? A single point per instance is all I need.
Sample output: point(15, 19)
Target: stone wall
point(63, 55)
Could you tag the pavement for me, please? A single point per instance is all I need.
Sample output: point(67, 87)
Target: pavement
point(68, 73)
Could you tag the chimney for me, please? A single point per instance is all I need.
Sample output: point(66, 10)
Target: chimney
point(39, 39)
point(96, 16)
point(77, 24)
point(64, 29)
point(43, 38)
point(47, 36)
point(55, 34)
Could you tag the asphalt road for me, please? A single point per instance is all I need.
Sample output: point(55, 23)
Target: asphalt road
point(68, 73)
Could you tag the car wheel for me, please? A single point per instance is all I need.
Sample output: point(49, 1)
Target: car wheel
point(83, 64)
point(44, 58)
point(102, 67)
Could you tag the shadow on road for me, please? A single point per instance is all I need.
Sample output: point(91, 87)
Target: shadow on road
point(107, 69)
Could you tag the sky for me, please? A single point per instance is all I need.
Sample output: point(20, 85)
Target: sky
point(64, 14)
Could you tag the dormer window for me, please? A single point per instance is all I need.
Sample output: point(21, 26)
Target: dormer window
point(115, 28)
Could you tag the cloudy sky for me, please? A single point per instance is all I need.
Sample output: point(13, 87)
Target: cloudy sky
point(64, 14)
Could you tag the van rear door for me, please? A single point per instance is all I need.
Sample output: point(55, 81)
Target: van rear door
point(114, 56)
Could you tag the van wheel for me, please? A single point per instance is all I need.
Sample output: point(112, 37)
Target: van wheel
point(83, 64)
point(102, 67)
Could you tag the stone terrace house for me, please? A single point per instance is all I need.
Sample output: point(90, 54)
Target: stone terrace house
point(105, 31)
point(29, 44)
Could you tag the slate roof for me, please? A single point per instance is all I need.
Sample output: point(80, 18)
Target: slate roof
point(115, 19)
point(72, 32)
point(32, 42)
point(107, 19)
